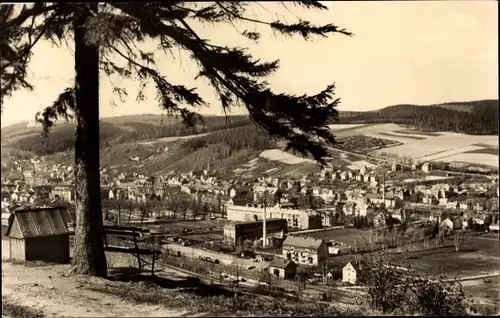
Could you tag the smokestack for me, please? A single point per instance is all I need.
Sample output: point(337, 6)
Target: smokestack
point(264, 234)
point(383, 188)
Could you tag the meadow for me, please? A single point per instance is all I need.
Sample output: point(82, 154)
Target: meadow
point(477, 255)
point(430, 146)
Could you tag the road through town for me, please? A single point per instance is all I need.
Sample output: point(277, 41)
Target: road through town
point(251, 277)
point(223, 258)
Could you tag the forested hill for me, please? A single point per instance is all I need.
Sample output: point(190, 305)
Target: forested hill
point(114, 131)
point(477, 117)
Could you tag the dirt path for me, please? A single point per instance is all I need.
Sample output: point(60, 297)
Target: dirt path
point(48, 290)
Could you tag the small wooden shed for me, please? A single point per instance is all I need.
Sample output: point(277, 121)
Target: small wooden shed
point(40, 234)
point(282, 268)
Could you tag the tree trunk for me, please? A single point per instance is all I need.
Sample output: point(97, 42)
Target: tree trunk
point(89, 257)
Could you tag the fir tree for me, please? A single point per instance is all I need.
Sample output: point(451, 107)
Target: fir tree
point(106, 32)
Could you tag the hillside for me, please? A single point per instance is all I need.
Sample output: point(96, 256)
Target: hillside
point(220, 149)
point(476, 118)
point(236, 146)
point(113, 131)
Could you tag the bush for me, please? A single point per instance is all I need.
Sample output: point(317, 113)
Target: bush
point(234, 305)
point(395, 290)
point(439, 297)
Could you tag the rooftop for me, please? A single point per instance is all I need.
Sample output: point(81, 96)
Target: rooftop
point(251, 222)
point(39, 222)
point(280, 263)
point(303, 242)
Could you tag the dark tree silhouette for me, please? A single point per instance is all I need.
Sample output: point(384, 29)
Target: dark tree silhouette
point(107, 32)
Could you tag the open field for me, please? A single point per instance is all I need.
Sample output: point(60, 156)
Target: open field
point(476, 257)
point(427, 146)
point(171, 139)
point(15, 137)
point(416, 133)
point(425, 178)
point(486, 293)
point(177, 226)
point(402, 137)
point(485, 149)
point(448, 152)
point(360, 164)
point(481, 159)
point(337, 127)
point(284, 157)
point(446, 147)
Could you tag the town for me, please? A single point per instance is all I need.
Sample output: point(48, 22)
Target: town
point(240, 158)
point(307, 234)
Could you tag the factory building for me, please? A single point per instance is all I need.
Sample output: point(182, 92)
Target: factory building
point(252, 230)
point(296, 218)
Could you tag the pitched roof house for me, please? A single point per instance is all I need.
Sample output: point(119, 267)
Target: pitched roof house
point(305, 250)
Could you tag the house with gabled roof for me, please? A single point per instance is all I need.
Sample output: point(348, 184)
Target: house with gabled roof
point(282, 268)
point(305, 250)
point(351, 272)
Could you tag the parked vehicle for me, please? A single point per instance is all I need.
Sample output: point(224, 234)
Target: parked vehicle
point(209, 259)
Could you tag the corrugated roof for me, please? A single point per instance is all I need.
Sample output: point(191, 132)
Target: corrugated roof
point(40, 222)
point(303, 242)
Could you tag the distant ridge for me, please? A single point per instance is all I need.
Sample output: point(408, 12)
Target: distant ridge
point(475, 117)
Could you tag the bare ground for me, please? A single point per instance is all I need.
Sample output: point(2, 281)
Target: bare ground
point(47, 289)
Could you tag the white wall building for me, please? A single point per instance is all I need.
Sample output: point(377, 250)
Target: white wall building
point(301, 219)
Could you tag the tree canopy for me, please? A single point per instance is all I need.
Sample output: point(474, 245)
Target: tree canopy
point(109, 38)
point(237, 77)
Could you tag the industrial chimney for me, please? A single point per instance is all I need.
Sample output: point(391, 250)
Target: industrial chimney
point(383, 188)
point(264, 233)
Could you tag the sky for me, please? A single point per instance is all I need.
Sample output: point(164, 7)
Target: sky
point(415, 52)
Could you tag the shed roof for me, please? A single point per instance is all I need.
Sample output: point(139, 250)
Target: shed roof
point(39, 222)
point(303, 242)
point(280, 263)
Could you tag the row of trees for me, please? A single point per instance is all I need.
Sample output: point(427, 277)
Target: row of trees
point(173, 206)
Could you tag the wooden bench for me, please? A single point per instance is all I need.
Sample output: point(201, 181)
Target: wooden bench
point(121, 238)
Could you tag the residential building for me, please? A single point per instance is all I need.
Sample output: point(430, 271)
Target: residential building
point(352, 272)
point(494, 228)
point(327, 216)
point(64, 192)
point(426, 167)
point(296, 218)
point(43, 191)
point(305, 250)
